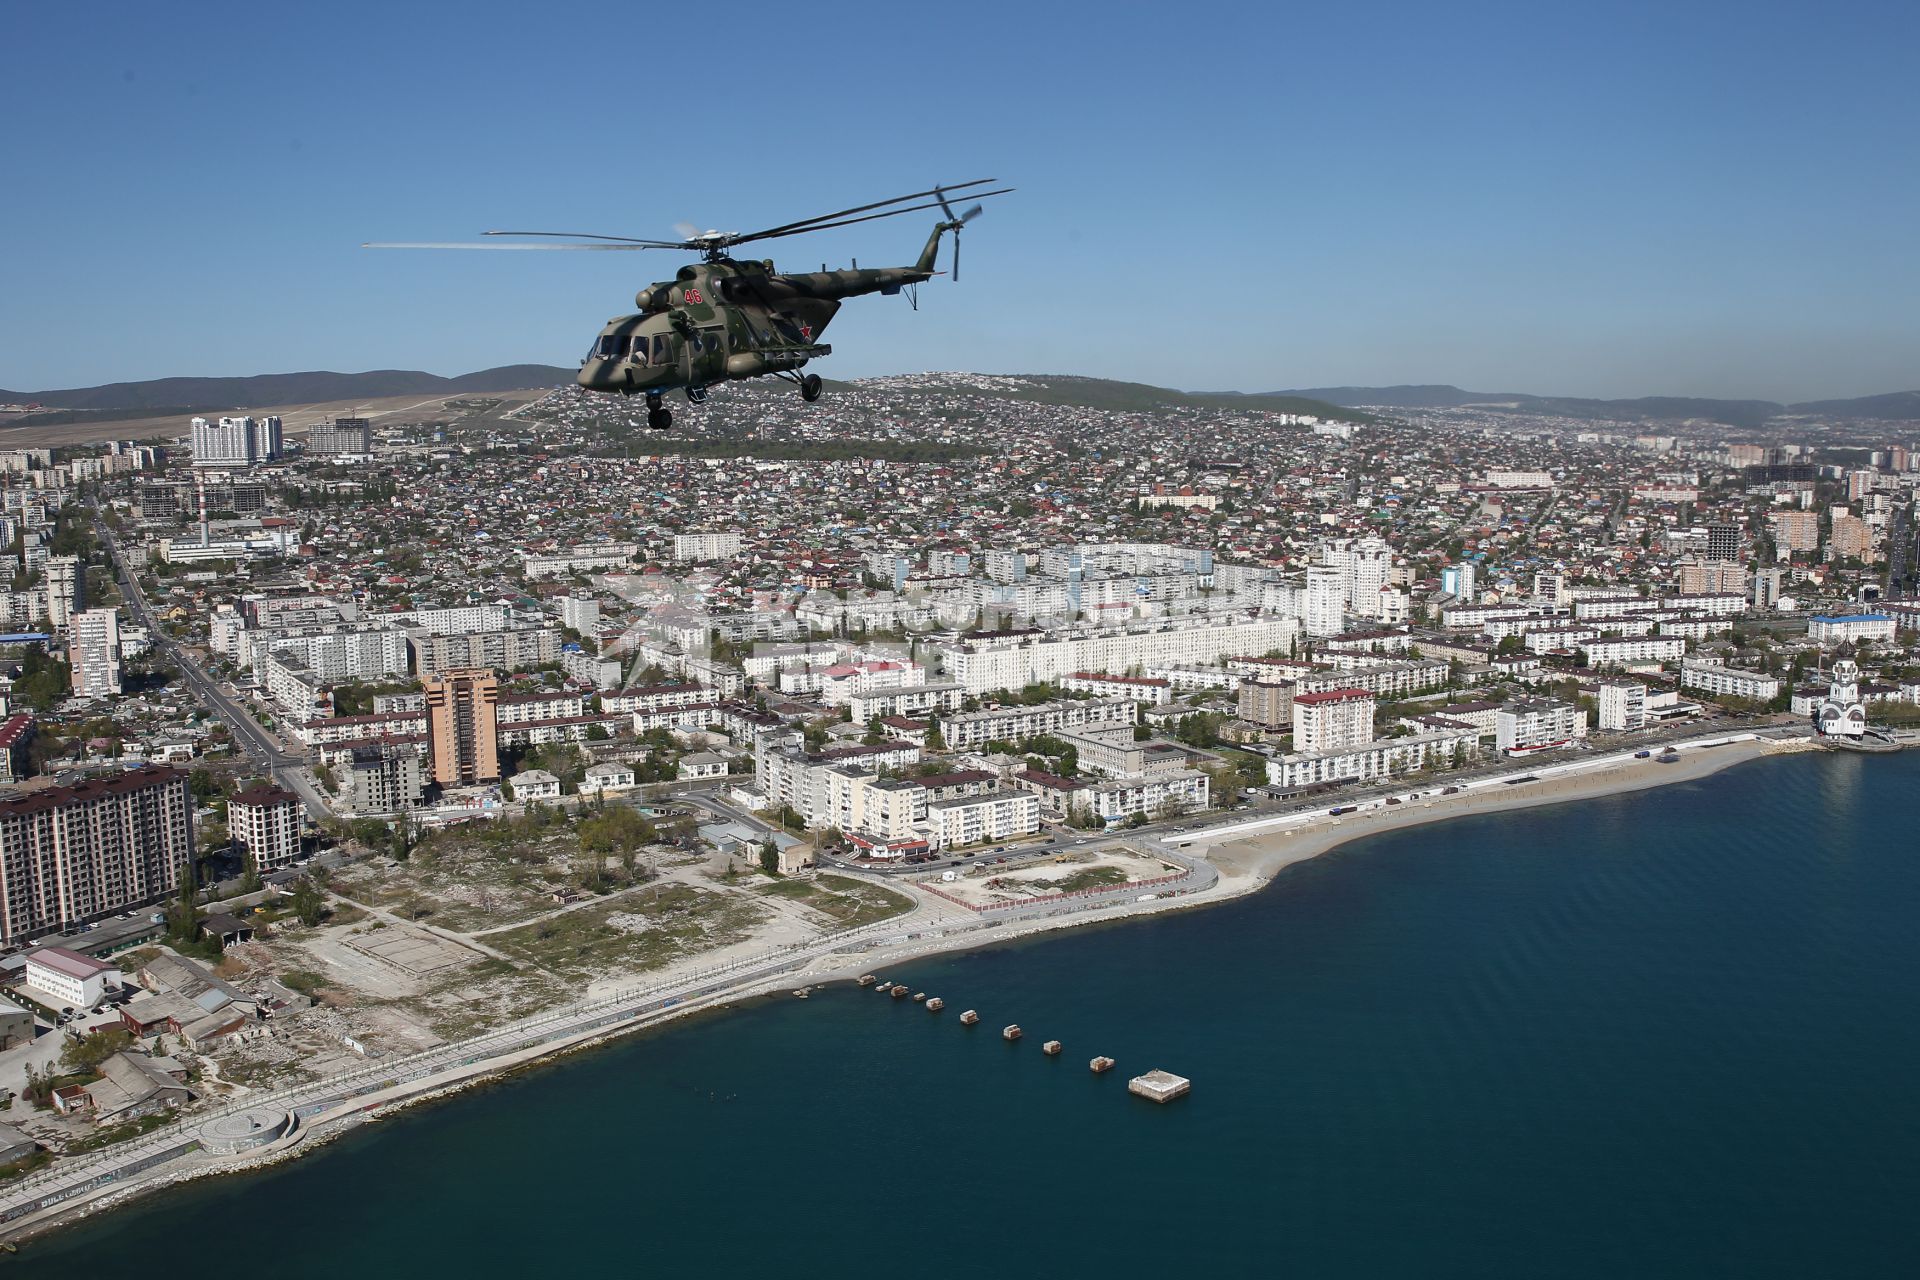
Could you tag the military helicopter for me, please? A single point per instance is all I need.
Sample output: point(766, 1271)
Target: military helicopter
point(725, 319)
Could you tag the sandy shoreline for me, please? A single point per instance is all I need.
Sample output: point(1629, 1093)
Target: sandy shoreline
point(1244, 863)
point(1258, 858)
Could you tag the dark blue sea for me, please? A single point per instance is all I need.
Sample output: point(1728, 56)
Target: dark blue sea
point(1673, 1033)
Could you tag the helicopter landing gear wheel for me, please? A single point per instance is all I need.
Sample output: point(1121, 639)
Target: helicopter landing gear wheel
point(811, 387)
point(660, 419)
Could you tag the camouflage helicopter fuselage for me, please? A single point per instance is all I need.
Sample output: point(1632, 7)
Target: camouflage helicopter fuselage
point(726, 319)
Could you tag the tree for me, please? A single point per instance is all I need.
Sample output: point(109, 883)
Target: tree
point(770, 858)
point(1226, 785)
point(183, 920)
point(400, 841)
point(250, 872)
point(935, 742)
point(84, 1054)
point(616, 830)
point(309, 904)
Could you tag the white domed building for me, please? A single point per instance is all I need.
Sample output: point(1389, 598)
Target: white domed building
point(1842, 715)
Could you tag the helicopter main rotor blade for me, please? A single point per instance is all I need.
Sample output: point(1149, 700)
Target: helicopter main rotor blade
point(452, 245)
point(847, 222)
point(788, 228)
point(588, 235)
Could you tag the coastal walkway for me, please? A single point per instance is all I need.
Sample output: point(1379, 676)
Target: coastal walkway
point(175, 1152)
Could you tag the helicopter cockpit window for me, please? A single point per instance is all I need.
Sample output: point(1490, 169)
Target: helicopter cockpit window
point(612, 346)
point(662, 349)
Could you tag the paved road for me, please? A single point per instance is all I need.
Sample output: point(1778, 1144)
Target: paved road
point(259, 745)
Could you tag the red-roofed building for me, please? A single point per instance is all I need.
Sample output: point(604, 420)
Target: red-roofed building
point(1332, 719)
point(75, 981)
point(15, 733)
point(75, 853)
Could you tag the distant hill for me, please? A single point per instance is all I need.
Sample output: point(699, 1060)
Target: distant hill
point(288, 388)
point(205, 395)
point(1738, 413)
point(1901, 405)
point(1413, 396)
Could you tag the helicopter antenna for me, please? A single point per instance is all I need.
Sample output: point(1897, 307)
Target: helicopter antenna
point(940, 194)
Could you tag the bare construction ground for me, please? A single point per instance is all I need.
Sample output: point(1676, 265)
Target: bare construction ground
point(478, 884)
point(639, 931)
point(840, 902)
point(415, 954)
point(1113, 867)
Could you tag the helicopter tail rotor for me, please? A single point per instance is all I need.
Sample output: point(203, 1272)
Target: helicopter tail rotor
point(954, 224)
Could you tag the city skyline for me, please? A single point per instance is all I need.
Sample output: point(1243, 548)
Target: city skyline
point(1501, 199)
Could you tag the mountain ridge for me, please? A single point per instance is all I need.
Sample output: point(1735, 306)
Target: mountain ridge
point(310, 387)
point(203, 395)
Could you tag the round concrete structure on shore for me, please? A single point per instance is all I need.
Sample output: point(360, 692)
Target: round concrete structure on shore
point(244, 1130)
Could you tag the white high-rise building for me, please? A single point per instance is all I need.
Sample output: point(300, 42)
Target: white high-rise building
point(265, 824)
point(706, 546)
point(1623, 706)
point(1458, 580)
point(1332, 720)
point(95, 653)
point(235, 442)
point(1325, 601)
point(581, 614)
point(66, 589)
point(1371, 566)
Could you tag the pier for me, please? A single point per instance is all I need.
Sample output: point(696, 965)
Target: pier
point(1159, 1086)
point(1156, 1086)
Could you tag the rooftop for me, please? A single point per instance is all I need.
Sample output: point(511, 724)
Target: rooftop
point(70, 963)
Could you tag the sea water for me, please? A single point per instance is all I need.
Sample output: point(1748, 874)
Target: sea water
point(1669, 1033)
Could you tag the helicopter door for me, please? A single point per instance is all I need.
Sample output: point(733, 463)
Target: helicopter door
point(707, 351)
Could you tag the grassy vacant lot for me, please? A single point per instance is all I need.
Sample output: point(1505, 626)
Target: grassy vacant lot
point(466, 884)
point(636, 932)
point(847, 902)
point(1090, 878)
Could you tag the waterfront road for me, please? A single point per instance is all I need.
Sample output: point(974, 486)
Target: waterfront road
point(166, 1153)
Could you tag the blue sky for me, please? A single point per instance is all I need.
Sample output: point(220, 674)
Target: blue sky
point(1684, 198)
